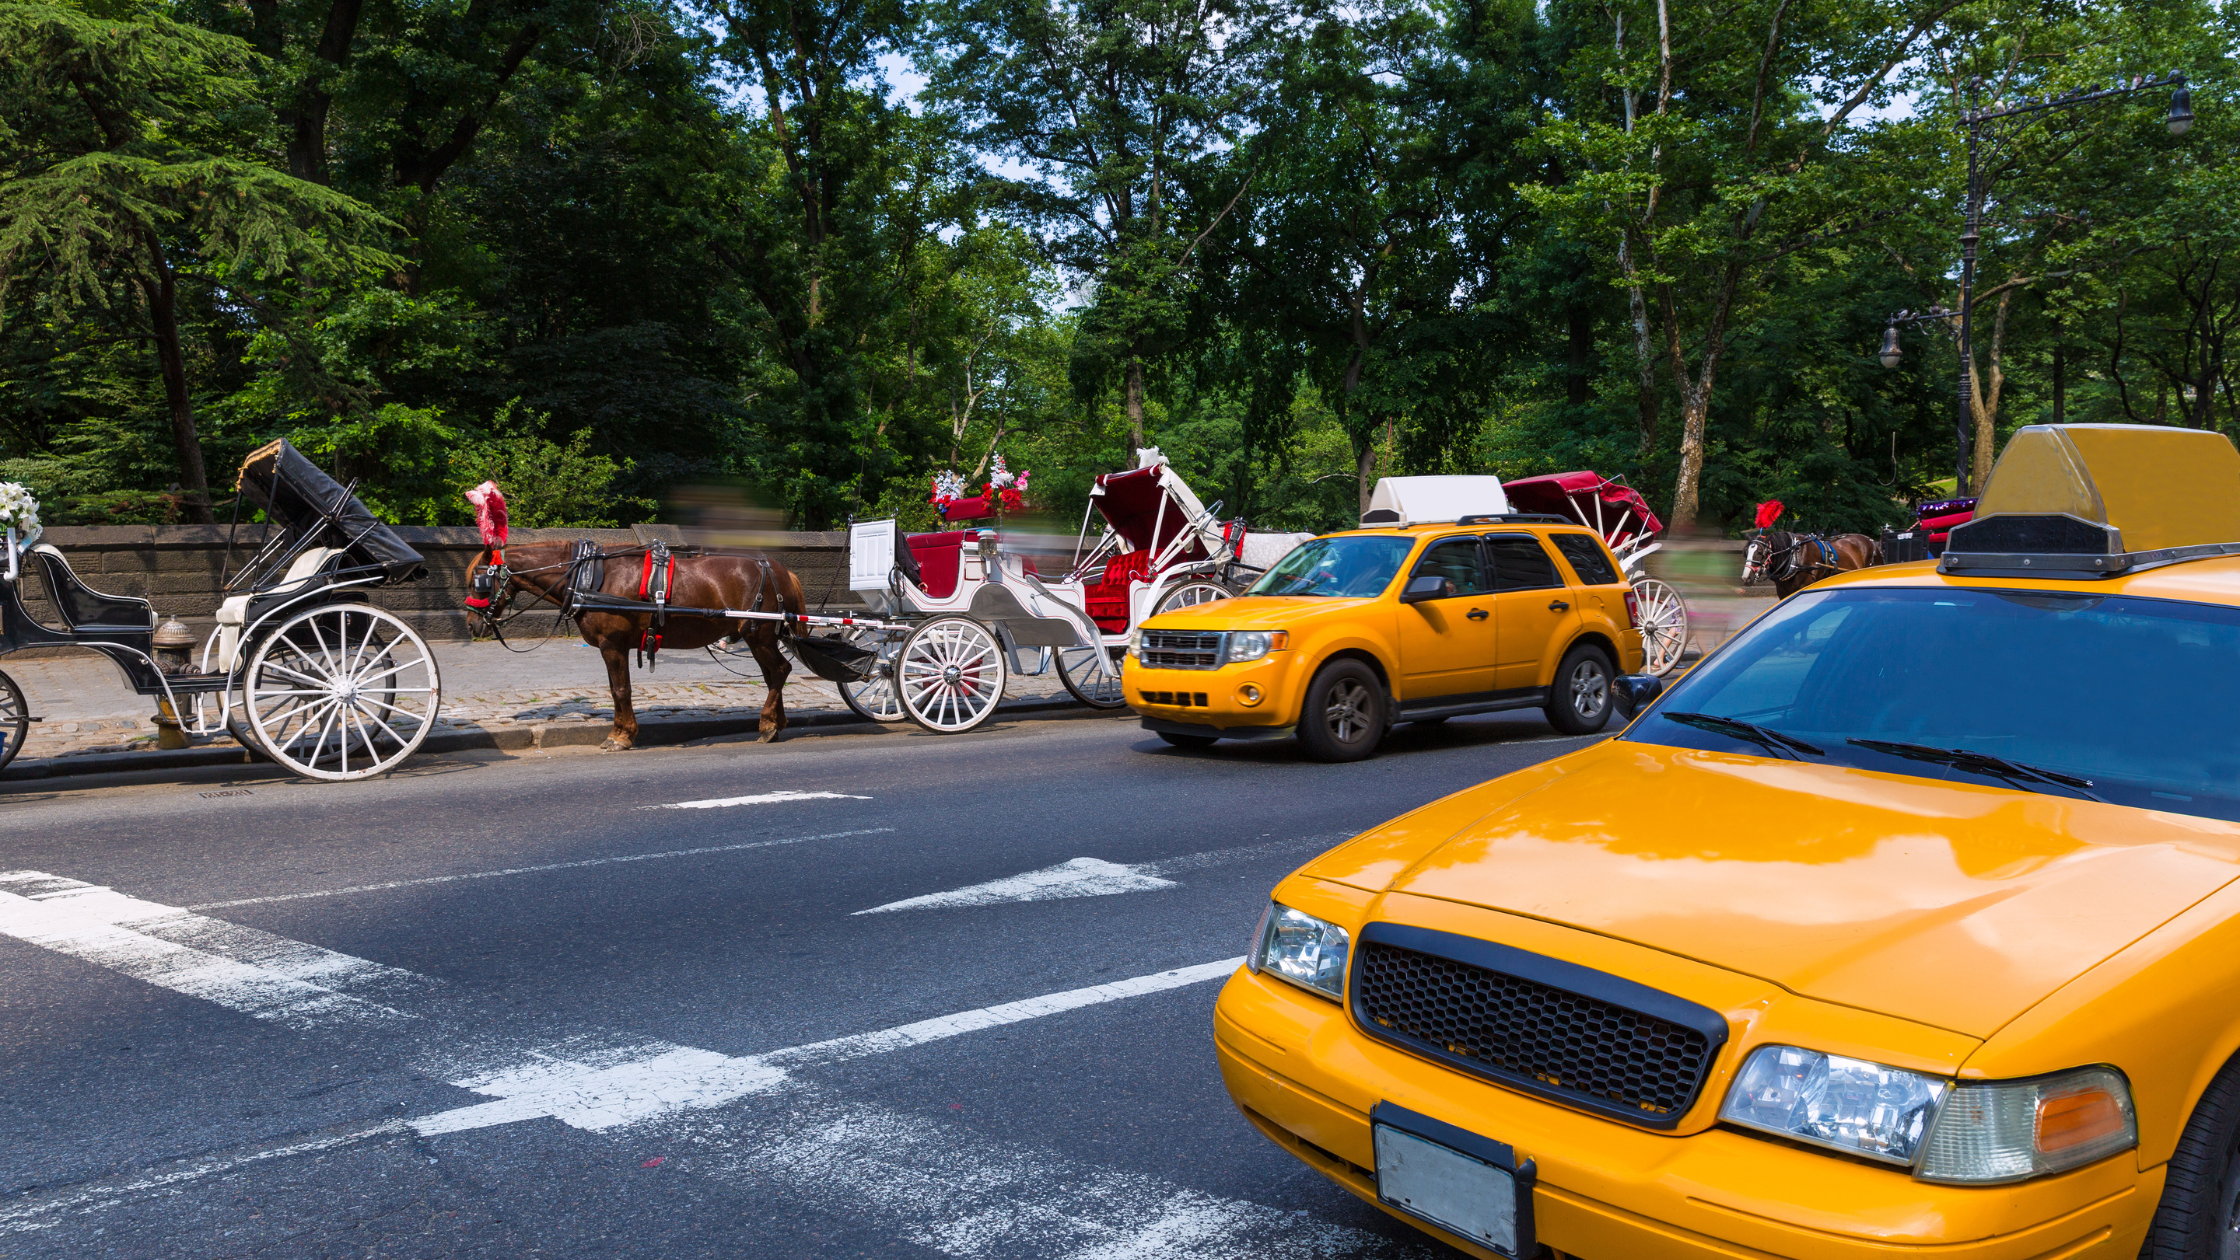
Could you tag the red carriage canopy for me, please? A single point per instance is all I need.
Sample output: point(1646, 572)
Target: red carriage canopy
point(1139, 507)
point(1610, 508)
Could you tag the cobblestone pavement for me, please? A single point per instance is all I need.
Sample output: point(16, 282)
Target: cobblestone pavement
point(88, 708)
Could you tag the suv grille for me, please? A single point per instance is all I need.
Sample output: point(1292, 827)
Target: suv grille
point(1180, 649)
point(1613, 1059)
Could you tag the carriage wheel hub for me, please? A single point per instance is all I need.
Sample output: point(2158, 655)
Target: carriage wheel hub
point(950, 674)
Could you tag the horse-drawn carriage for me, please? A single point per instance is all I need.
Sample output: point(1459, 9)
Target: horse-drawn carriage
point(963, 610)
point(1615, 510)
point(300, 667)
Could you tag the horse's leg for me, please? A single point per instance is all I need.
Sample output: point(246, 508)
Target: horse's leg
point(764, 640)
point(625, 732)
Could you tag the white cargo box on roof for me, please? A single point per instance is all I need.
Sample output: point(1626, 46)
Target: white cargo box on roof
point(1430, 500)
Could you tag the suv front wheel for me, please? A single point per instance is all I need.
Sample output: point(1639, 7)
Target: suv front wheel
point(1345, 714)
point(1579, 698)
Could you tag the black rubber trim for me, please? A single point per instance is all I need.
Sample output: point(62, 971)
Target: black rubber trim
point(1216, 732)
point(1556, 974)
point(1475, 702)
point(1485, 1150)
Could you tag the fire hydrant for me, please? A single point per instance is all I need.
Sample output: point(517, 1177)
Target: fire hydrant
point(173, 644)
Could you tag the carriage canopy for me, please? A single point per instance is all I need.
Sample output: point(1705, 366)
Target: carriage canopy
point(1143, 504)
point(300, 498)
point(1610, 508)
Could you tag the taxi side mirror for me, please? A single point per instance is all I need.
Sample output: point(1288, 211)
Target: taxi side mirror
point(1425, 586)
point(1631, 691)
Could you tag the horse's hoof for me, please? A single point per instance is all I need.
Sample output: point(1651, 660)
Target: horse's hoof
point(615, 745)
point(769, 735)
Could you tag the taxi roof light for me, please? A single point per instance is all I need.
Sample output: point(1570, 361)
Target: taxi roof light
point(2085, 501)
point(1405, 501)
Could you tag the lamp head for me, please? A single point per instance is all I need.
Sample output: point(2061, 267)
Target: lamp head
point(2181, 107)
point(1890, 353)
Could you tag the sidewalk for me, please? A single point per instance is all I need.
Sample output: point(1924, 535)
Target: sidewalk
point(560, 682)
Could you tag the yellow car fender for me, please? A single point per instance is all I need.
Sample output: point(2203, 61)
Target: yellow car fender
point(2138, 1011)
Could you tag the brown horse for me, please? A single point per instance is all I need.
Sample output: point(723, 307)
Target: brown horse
point(1795, 561)
point(543, 570)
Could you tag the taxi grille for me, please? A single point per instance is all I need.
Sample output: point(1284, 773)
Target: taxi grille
point(1180, 649)
point(1621, 1062)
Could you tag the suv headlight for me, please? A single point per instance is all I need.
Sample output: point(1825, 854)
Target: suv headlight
point(1135, 643)
point(1301, 948)
point(1251, 645)
point(1828, 1100)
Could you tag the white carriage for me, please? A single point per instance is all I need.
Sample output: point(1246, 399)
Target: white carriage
point(961, 612)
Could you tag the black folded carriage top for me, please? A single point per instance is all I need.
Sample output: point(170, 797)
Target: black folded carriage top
point(300, 498)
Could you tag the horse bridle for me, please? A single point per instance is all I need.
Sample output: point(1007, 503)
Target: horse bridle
point(1787, 559)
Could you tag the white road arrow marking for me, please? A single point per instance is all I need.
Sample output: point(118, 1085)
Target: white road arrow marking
point(1094, 877)
point(1081, 877)
point(765, 798)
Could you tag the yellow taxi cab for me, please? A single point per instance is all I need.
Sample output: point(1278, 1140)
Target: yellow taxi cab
point(1446, 604)
point(1905, 924)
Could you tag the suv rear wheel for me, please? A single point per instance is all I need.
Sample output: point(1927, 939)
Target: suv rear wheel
point(1346, 713)
point(1579, 698)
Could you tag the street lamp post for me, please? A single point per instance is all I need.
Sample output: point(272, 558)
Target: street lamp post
point(1978, 119)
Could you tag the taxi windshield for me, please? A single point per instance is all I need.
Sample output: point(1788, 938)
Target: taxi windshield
point(2108, 697)
point(1359, 565)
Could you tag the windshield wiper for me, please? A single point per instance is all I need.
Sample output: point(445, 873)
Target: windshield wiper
point(2014, 772)
point(1766, 737)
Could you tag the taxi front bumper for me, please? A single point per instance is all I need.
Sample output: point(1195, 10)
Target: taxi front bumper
point(1307, 1078)
point(1217, 701)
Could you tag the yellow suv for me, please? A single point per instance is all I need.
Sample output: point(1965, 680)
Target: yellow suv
point(1354, 631)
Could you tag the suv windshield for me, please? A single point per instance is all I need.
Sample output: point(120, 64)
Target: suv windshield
point(2086, 696)
point(1359, 565)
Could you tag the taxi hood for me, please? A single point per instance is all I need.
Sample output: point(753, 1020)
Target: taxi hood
point(1948, 904)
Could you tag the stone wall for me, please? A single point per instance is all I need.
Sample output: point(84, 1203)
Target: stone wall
point(178, 567)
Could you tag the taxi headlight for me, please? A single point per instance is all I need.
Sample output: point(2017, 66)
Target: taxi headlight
point(1849, 1105)
point(1251, 645)
point(1994, 1131)
point(1300, 948)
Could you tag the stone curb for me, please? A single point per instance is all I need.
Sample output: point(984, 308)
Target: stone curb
point(652, 732)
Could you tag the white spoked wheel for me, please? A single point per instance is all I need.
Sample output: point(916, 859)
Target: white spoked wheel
point(1190, 593)
point(1663, 624)
point(874, 697)
point(1092, 674)
point(341, 692)
point(951, 674)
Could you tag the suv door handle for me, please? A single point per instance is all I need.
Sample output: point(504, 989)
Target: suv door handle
point(1557, 605)
point(1477, 614)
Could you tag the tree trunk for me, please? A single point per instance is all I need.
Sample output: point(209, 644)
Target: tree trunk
point(1695, 407)
point(1365, 465)
point(1985, 404)
point(1135, 402)
point(161, 288)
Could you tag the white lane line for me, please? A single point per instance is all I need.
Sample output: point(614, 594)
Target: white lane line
point(765, 798)
point(1095, 877)
point(625, 1085)
point(114, 1191)
point(86, 925)
point(549, 866)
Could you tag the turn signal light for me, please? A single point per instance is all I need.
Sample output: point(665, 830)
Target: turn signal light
point(2076, 1119)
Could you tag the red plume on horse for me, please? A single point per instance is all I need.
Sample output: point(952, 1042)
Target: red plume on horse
point(1795, 561)
point(562, 572)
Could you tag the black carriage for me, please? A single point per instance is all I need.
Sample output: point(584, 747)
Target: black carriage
point(301, 666)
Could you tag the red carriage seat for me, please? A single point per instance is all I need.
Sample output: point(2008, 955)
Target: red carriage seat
point(1108, 600)
point(940, 558)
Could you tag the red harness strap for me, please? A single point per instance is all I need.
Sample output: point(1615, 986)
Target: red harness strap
point(654, 581)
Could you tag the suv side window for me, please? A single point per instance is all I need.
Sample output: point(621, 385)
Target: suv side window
point(1587, 558)
point(1520, 563)
point(1457, 561)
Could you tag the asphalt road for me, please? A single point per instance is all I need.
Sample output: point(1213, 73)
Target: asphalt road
point(516, 1007)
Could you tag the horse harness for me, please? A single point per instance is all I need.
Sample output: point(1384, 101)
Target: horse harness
point(585, 572)
point(1790, 564)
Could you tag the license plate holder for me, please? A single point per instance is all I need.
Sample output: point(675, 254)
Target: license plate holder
point(1469, 1186)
